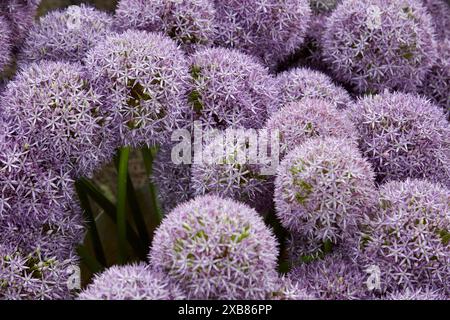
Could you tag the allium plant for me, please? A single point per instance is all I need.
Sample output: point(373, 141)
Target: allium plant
point(408, 238)
point(189, 22)
point(286, 289)
point(298, 121)
point(56, 114)
point(144, 77)
point(323, 189)
point(335, 277)
point(440, 12)
point(417, 294)
point(378, 44)
point(131, 282)
point(5, 43)
point(66, 34)
point(268, 29)
point(403, 135)
point(300, 83)
point(21, 13)
point(216, 248)
point(230, 89)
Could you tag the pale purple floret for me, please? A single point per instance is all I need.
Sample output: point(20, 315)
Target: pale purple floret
point(416, 294)
point(408, 238)
point(230, 89)
point(216, 248)
point(55, 113)
point(286, 289)
point(21, 14)
point(144, 77)
point(5, 43)
point(307, 118)
point(270, 30)
point(323, 189)
point(131, 282)
point(189, 22)
point(66, 34)
point(440, 12)
point(403, 135)
point(378, 44)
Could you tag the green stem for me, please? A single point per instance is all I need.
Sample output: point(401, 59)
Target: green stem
point(89, 260)
point(122, 180)
point(148, 155)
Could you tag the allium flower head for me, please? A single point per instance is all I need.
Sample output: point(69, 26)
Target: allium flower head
point(131, 282)
point(286, 289)
point(408, 239)
point(333, 278)
point(5, 43)
point(56, 114)
point(230, 89)
point(309, 118)
point(378, 44)
point(216, 248)
point(440, 12)
point(268, 29)
point(66, 34)
point(417, 294)
point(323, 189)
point(403, 135)
point(144, 76)
point(189, 22)
point(300, 83)
point(21, 14)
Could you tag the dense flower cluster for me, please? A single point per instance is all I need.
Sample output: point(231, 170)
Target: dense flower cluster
point(378, 44)
point(403, 135)
point(66, 34)
point(21, 14)
point(189, 22)
point(5, 43)
point(216, 249)
point(440, 12)
point(418, 294)
point(132, 282)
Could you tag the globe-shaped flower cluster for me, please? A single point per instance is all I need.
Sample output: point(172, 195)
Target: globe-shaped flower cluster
point(5, 43)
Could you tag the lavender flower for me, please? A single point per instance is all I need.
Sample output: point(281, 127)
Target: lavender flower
point(21, 14)
point(378, 44)
point(5, 43)
point(230, 89)
point(417, 294)
point(271, 30)
point(403, 135)
point(216, 249)
point(66, 34)
point(145, 77)
point(57, 115)
point(408, 239)
point(308, 118)
point(189, 22)
point(132, 282)
point(323, 189)
point(440, 12)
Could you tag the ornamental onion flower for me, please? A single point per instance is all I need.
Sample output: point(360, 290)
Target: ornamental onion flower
point(216, 248)
point(417, 294)
point(21, 14)
point(440, 12)
point(5, 43)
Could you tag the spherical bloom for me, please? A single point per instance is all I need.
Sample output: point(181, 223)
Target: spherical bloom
point(227, 170)
point(378, 44)
point(189, 22)
point(417, 294)
point(5, 43)
point(440, 12)
point(271, 30)
point(145, 77)
point(436, 85)
point(131, 282)
point(286, 289)
point(323, 189)
point(171, 179)
point(334, 277)
point(216, 248)
point(298, 121)
point(66, 34)
point(56, 114)
point(300, 83)
point(32, 276)
point(230, 88)
point(408, 239)
point(21, 14)
point(403, 135)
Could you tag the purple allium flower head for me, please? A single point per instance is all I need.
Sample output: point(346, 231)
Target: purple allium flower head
point(440, 12)
point(66, 34)
point(323, 189)
point(56, 114)
point(308, 118)
point(300, 83)
point(408, 238)
point(5, 43)
point(216, 248)
point(378, 44)
point(189, 22)
point(230, 89)
point(335, 277)
point(416, 294)
point(403, 135)
point(286, 289)
point(268, 29)
point(172, 180)
point(145, 77)
point(227, 171)
point(21, 13)
point(34, 276)
point(131, 282)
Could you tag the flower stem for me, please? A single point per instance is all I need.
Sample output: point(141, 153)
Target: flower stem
point(124, 154)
